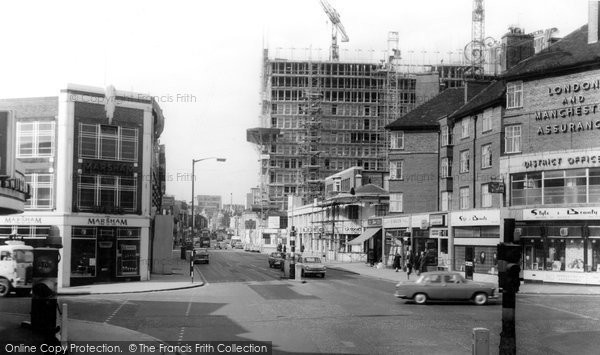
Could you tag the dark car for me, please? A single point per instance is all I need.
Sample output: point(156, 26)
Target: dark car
point(311, 265)
point(445, 285)
point(201, 255)
point(276, 259)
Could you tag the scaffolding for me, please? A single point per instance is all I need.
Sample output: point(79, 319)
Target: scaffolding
point(312, 158)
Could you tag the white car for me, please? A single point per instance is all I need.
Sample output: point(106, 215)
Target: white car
point(311, 265)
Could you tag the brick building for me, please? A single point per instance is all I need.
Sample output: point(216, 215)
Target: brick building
point(551, 157)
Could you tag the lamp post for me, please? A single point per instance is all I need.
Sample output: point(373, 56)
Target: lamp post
point(194, 161)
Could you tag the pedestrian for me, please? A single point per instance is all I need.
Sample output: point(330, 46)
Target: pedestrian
point(423, 262)
point(408, 268)
point(371, 257)
point(397, 261)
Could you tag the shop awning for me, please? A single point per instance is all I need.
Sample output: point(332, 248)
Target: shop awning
point(369, 233)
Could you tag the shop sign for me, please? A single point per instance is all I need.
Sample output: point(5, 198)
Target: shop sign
point(21, 220)
point(417, 220)
point(396, 222)
point(438, 232)
point(476, 218)
point(107, 167)
point(561, 213)
point(313, 229)
point(351, 228)
point(556, 160)
point(374, 222)
point(107, 221)
point(436, 220)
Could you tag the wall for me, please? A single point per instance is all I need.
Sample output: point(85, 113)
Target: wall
point(420, 171)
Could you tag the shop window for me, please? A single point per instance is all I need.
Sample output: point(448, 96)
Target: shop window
point(83, 252)
point(593, 249)
point(533, 256)
point(555, 260)
point(485, 260)
point(128, 251)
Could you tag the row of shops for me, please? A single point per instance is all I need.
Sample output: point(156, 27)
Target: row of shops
point(95, 249)
point(558, 244)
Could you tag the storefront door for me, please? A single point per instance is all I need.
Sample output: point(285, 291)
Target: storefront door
point(106, 254)
point(469, 257)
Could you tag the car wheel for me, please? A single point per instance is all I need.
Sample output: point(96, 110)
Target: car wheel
point(420, 298)
point(480, 298)
point(4, 287)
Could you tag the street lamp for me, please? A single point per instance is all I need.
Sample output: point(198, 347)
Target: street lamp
point(194, 161)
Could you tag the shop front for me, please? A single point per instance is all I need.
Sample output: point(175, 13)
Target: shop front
point(476, 235)
point(438, 246)
point(344, 246)
point(560, 244)
point(105, 249)
point(397, 236)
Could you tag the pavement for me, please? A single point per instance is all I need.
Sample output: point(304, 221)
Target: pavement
point(390, 274)
point(178, 278)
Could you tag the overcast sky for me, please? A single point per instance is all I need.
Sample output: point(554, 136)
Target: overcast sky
point(202, 59)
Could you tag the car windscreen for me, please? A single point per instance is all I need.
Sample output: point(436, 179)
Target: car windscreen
point(312, 260)
point(24, 256)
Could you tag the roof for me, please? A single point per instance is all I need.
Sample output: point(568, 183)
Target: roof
point(370, 189)
point(425, 116)
point(489, 96)
point(570, 52)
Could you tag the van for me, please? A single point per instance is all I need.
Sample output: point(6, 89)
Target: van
point(16, 268)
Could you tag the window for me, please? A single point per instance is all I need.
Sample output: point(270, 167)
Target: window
point(486, 156)
point(446, 201)
point(464, 133)
point(512, 139)
point(446, 138)
point(396, 202)
point(381, 210)
point(42, 191)
point(108, 142)
point(464, 198)
point(35, 139)
point(397, 140)
point(446, 167)
point(555, 187)
point(396, 169)
point(486, 196)
point(514, 95)
point(487, 121)
point(108, 192)
point(464, 161)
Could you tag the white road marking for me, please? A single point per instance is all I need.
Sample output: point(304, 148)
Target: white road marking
point(115, 312)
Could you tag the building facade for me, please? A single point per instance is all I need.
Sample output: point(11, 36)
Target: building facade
point(89, 157)
point(321, 117)
point(551, 159)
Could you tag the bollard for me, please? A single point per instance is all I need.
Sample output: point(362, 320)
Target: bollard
point(64, 327)
point(298, 273)
point(481, 341)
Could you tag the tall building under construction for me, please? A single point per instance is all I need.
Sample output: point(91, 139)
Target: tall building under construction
point(321, 117)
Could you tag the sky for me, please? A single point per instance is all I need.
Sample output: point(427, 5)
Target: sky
point(201, 60)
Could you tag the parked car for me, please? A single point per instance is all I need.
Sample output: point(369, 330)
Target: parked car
point(201, 255)
point(238, 245)
point(445, 285)
point(276, 260)
point(311, 265)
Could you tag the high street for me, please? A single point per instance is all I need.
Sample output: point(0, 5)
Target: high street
point(243, 299)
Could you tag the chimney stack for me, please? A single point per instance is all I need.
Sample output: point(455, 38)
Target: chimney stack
point(593, 21)
point(516, 46)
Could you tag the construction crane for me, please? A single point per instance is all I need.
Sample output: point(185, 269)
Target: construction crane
point(336, 25)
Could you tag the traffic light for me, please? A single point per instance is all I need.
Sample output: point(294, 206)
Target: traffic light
point(293, 232)
point(509, 267)
point(44, 289)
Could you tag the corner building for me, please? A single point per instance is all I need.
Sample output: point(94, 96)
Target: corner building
point(89, 156)
point(551, 158)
